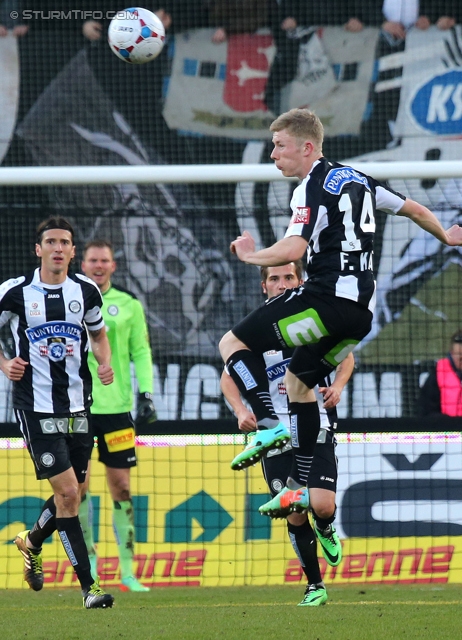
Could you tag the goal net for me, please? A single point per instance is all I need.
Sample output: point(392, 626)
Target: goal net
point(170, 162)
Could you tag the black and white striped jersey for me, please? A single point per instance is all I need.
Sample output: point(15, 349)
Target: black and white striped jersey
point(48, 323)
point(334, 210)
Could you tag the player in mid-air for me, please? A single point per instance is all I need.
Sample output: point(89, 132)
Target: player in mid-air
point(53, 316)
point(333, 219)
point(276, 464)
point(112, 422)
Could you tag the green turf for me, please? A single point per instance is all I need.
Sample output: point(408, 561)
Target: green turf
point(235, 613)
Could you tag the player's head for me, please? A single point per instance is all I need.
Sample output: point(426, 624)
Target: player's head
point(275, 280)
point(456, 349)
point(298, 135)
point(301, 124)
point(54, 222)
point(98, 262)
point(55, 247)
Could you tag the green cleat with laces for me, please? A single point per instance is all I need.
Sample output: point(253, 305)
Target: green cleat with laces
point(263, 441)
point(330, 545)
point(315, 596)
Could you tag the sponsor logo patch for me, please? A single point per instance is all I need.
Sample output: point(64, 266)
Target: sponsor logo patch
point(294, 431)
point(245, 375)
point(120, 440)
point(337, 178)
point(301, 216)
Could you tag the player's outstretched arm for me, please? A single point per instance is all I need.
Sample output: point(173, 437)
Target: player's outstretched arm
point(280, 253)
point(428, 221)
point(343, 373)
point(246, 420)
point(102, 352)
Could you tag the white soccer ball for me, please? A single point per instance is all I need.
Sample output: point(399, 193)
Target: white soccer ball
point(136, 35)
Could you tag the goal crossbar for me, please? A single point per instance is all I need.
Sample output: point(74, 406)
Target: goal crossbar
point(207, 173)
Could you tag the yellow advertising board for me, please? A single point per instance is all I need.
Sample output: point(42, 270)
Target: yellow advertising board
point(198, 524)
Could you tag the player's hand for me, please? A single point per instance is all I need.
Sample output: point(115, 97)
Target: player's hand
point(14, 369)
point(247, 421)
point(92, 30)
point(331, 396)
point(243, 246)
point(105, 374)
point(454, 235)
point(145, 411)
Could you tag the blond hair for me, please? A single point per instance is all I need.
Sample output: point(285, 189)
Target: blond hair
point(302, 124)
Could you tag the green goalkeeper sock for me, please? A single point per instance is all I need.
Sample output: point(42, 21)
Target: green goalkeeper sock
point(124, 530)
point(86, 522)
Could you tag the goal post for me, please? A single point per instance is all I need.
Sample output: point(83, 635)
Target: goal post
point(208, 173)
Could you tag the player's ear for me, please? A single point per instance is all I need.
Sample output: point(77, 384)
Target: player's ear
point(265, 290)
point(114, 266)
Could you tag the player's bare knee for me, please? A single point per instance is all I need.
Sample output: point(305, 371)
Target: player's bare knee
point(67, 498)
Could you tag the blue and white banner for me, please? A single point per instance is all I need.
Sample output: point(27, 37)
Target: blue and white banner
point(431, 93)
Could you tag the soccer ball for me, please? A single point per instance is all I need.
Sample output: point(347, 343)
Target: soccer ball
point(136, 35)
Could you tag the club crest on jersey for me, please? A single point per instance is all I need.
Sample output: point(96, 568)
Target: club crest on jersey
point(56, 351)
point(53, 330)
point(113, 310)
point(300, 216)
point(74, 306)
point(337, 178)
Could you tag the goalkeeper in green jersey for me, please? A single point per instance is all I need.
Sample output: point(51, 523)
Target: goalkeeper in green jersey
point(128, 336)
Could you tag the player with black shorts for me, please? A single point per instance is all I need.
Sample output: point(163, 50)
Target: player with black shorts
point(53, 315)
point(277, 463)
point(333, 220)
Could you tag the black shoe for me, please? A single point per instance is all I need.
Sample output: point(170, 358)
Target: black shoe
point(33, 572)
point(96, 598)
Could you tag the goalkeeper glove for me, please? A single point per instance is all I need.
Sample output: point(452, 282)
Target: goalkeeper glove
point(145, 411)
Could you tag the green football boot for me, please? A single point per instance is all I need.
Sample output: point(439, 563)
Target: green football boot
point(330, 545)
point(287, 501)
point(132, 584)
point(261, 442)
point(315, 596)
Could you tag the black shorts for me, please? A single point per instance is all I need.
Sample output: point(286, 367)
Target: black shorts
point(57, 443)
point(116, 439)
point(322, 329)
point(323, 472)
